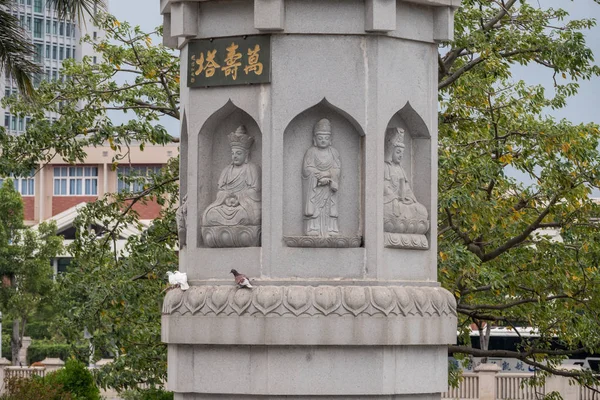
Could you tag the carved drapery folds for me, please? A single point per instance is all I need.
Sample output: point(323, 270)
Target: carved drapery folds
point(405, 217)
point(230, 210)
point(323, 208)
point(368, 301)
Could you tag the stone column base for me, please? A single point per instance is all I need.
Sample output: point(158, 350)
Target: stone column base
point(308, 342)
point(195, 396)
point(306, 371)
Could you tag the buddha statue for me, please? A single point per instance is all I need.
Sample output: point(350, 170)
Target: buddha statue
point(320, 183)
point(234, 218)
point(402, 213)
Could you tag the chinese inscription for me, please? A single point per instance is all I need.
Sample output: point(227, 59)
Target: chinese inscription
point(229, 61)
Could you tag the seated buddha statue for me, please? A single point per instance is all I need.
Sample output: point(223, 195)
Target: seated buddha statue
point(238, 200)
point(402, 213)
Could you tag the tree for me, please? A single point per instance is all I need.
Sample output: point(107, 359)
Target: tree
point(493, 254)
point(24, 264)
point(16, 50)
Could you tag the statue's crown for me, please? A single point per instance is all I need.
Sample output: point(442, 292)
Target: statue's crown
point(395, 137)
point(323, 127)
point(240, 138)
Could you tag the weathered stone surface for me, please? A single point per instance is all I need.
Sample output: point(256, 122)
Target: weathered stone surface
point(306, 315)
point(358, 372)
point(351, 312)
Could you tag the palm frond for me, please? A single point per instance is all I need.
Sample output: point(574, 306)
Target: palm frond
point(76, 9)
point(16, 51)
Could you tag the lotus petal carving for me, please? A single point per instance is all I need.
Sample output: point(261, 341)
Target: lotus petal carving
point(242, 298)
point(219, 298)
point(438, 301)
point(298, 299)
point(195, 298)
point(383, 299)
point(172, 300)
point(450, 300)
point(405, 301)
point(421, 299)
point(267, 298)
point(327, 299)
point(355, 299)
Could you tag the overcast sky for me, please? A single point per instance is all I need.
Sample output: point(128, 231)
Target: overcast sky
point(582, 108)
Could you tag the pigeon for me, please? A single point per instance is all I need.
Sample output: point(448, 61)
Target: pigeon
point(178, 279)
point(241, 279)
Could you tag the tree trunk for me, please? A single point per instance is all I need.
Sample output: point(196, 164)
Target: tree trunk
point(484, 339)
point(15, 342)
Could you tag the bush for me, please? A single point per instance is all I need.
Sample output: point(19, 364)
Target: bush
point(147, 394)
point(37, 330)
point(75, 379)
point(40, 350)
point(34, 388)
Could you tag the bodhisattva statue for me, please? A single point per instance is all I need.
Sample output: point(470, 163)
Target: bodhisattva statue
point(234, 218)
point(320, 182)
point(181, 216)
point(405, 220)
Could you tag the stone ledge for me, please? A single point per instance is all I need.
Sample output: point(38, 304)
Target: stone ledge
point(369, 301)
point(305, 315)
point(288, 331)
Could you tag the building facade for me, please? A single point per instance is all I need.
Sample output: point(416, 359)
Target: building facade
point(57, 186)
point(54, 41)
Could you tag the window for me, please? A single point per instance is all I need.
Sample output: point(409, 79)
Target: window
point(23, 185)
point(62, 264)
point(39, 51)
point(37, 6)
point(47, 51)
point(61, 52)
point(61, 30)
point(54, 52)
point(21, 124)
point(29, 24)
point(95, 35)
point(37, 27)
point(75, 181)
point(68, 29)
point(13, 123)
point(95, 59)
point(68, 52)
point(6, 120)
point(48, 27)
point(6, 92)
point(133, 178)
point(54, 27)
point(54, 75)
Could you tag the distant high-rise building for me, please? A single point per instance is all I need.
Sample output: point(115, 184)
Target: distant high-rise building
point(56, 189)
point(54, 40)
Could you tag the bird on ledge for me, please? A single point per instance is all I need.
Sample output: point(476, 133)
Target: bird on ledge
point(177, 280)
point(241, 279)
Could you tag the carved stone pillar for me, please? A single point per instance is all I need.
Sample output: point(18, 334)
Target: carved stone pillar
point(330, 211)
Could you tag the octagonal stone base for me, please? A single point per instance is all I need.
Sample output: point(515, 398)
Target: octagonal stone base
point(380, 372)
point(337, 342)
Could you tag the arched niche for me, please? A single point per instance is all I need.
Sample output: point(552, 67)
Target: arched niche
point(183, 158)
point(347, 139)
point(214, 152)
point(416, 163)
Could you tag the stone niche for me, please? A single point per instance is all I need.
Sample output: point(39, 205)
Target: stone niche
point(416, 164)
point(347, 138)
point(214, 155)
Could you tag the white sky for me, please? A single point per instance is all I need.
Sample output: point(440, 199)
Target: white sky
point(582, 108)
